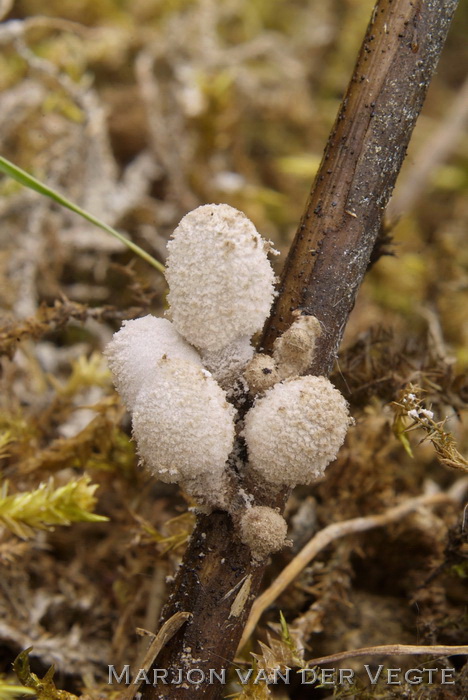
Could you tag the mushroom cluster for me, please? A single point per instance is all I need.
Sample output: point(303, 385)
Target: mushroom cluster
point(176, 377)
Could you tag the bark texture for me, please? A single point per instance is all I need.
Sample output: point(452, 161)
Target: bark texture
point(360, 165)
point(327, 261)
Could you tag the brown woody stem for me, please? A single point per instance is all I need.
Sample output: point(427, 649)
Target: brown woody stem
point(217, 581)
point(362, 159)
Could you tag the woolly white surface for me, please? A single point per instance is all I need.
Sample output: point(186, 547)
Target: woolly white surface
point(183, 425)
point(296, 430)
point(220, 280)
point(136, 348)
point(226, 365)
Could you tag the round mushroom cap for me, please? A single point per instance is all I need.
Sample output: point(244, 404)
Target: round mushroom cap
point(264, 530)
point(296, 430)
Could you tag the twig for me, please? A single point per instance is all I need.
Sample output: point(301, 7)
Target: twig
point(364, 154)
point(167, 631)
point(322, 274)
point(389, 650)
point(322, 540)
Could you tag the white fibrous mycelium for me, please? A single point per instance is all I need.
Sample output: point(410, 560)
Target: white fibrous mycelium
point(226, 365)
point(181, 379)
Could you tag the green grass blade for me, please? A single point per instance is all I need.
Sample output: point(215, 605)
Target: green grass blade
point(28, 180)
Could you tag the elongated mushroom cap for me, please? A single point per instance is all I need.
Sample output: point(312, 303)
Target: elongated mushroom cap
point(184, 428)
point(220, 280)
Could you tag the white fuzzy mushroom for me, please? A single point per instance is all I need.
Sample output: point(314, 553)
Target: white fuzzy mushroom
point(296, 430)
point(264, 530)
point(184, 428)
point(220, 280)
point(137, 347)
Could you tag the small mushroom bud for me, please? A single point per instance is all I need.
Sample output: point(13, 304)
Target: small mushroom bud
point(264, 530)
point(137, 347)
point(184, 429)
point(220, 280)
point(296, 430)
point(293, 351)
point(261, 374)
